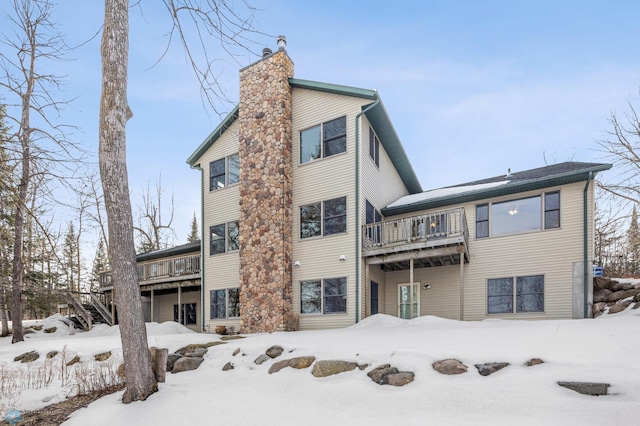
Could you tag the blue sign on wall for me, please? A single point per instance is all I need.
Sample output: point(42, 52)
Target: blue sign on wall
point(598, 271)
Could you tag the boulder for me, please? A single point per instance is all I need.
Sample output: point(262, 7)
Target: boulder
point(236, 352)
point(400, 379)
point(186, 363)
point(601, 282)
point(380, 373)
point(621, 286)
point(52, 354)
point(620, 306)
point(299, 363)
point(490, 367)
point(637, 298)
point(274, 351)
point(601, 295)
point(331, 367)
point(599, 308)
point(74, 360)
point(171, 360)
point(103, 356)
point(120, 371)
point(228, 366)
point(50, 330)
point(27, 357)
point(533, 361)
point(622, 294)
point(449, 367)
point(194, 348)
point(262, 359)
point(586, 388)
point(196, 352)
point(37, 327)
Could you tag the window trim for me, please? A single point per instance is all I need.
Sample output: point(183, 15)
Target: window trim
point(322, 296)
point(225, 173)
point(543, 212)
point(514, 295)
point(226, 239)
point(224, 305)
point(323, 218)
point(374, 147)
point(323, 141)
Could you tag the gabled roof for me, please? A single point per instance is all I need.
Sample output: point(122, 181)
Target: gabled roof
point(377, 116)
point(511, 183)
point(193, 247)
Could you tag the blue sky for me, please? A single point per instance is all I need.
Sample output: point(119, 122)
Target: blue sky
point(472, 87)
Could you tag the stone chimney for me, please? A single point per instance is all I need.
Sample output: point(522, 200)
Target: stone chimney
point(265, 194)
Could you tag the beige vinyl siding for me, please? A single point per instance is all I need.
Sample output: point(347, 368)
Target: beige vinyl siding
point(321, 180)
point(163, 306)
point(220, 206)
point(380, 185)
point(551, 253)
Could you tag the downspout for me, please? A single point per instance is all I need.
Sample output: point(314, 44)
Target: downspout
point(586, 250)
point(197, 167)
point(358, 243)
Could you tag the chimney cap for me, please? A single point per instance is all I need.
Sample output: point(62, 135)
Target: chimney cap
point(266, 52)
point(282, 42)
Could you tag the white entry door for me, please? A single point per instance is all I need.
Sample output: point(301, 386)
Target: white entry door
point(408, 300)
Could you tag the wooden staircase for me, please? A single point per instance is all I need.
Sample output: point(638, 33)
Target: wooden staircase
point(87, 309)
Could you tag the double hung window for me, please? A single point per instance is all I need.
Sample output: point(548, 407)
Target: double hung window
point(224, 238)
point(324, 140)
point(224, 172)
point(323, 218)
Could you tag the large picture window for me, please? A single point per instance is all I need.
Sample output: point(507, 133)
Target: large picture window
point(515, 294)
point(224, 172)
point(518, 216)
point(328, 296)
point(224, 238)
point(323, 218)
point(225, 303)
point(324, 140)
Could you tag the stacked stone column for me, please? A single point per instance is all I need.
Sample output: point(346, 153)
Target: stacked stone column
point(265, 195)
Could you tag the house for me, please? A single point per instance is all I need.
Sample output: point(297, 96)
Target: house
point(313, 218)
point(170, 287)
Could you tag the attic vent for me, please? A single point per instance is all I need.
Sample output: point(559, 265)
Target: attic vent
point(266, 52)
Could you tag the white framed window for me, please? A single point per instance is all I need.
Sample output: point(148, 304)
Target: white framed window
point(529, 214)
point(515, 294)
point(326, 296)
point(225, 303)
point(323, 218)
point(224, 238)
point(409, 300)
point(224, 172)
point(323, 140)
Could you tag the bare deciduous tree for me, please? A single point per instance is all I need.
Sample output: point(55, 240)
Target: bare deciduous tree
point(154, 232)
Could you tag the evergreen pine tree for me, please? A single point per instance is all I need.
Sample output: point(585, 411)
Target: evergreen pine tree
point(633, 245)
point(193, 235)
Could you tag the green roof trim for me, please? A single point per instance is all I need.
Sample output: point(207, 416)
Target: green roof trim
point(213, 136)
point(559, 174)
point(193, 247)
point(336, 89)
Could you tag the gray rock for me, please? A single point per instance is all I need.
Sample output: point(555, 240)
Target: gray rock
point(587, 388)
point(171, 360)
point(598, 309)
point(27, 357)
point(52, 354)
point(236, 352)
point(50, 330)
point(186, 363)
point(228, 366)
point(601, 295)
point(331, 367)
point(622, 294)
point(74, 360)
point(380, 373)
point(620, 306)
point(274, 351)
point(449, 367)
point(533, 361)
point(196, 352)
point(103, 356)
point(262, 359)
point(400, 379)
point(490, 367)
point(277, 366)
point(616, 286)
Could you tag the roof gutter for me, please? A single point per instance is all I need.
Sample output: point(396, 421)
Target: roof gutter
point(586, 248)
point(357, 210)
point(197, 167)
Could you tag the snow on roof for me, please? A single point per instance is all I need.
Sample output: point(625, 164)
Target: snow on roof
point(443, 192)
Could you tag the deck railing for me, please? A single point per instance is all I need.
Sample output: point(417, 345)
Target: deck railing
point(425, 227)
point(163, 268)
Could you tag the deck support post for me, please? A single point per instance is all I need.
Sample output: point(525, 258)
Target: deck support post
point(152, 317)
point(461, 285)
point(411, 295)
point(179, 305)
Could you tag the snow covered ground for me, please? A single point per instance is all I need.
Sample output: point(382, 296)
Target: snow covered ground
point(605, 349)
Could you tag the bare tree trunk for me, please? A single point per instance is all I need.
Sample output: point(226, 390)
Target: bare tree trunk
point(3, 313)
point(114, 113)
